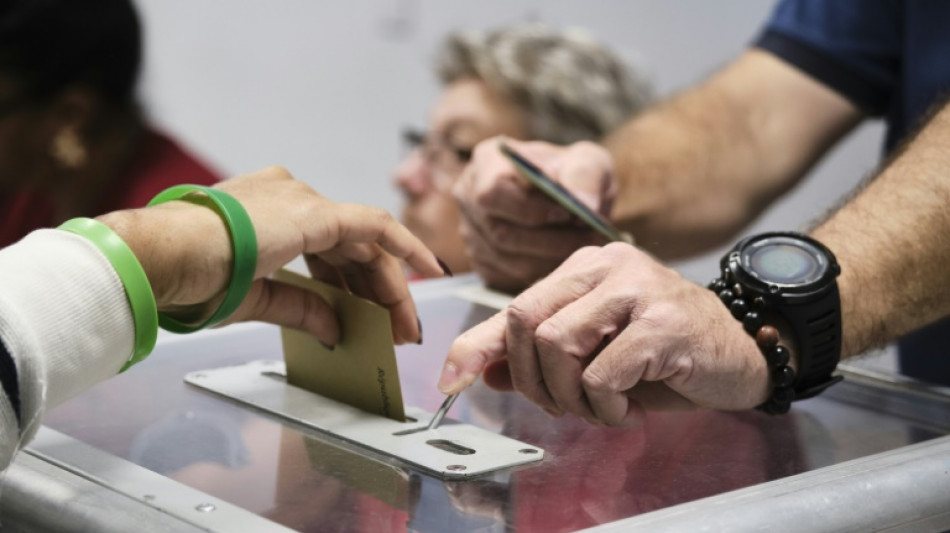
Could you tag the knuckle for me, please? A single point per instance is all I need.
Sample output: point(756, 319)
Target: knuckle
point(549, 335)
point(652, 366)
point(584, 147)
point(522, 314)
point(381, 216)
point(619, 249)
point(278, 171)
point(586, 256)
point(587, 252)
point(595, 379)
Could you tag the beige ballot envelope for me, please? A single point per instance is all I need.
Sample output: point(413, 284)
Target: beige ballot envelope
point(361, 370)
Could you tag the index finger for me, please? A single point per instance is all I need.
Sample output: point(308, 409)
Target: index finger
point(472, 352)
point(359, 223)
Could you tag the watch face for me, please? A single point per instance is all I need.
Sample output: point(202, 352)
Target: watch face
point(784, 260)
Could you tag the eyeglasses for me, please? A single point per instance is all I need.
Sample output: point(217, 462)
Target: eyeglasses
point(438, 150)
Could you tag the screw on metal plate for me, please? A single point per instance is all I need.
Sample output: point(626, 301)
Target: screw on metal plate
point(199, 375)
point(205, 507)
point(527, 451)
point(456, 468)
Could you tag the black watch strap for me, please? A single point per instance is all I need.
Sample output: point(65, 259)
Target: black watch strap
point(817, 327)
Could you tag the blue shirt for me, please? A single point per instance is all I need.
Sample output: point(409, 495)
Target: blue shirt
point(891, 58)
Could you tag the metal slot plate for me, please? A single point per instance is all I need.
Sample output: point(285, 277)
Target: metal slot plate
point(260, 384)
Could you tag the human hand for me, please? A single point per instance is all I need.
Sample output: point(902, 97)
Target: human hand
point(514, 233)
point(609, 334)
point(186, 252)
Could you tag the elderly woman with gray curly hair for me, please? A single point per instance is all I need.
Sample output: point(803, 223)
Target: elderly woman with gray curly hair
point(527, 81)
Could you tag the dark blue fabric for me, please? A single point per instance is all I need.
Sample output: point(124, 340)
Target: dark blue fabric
point(9, 381)
point(892, 59)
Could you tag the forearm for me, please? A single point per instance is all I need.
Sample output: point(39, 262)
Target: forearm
point(65, 324)
point(893, 243)
point(699, 167)
point(154, 235)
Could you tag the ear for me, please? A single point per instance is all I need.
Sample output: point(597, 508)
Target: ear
point(73, 108)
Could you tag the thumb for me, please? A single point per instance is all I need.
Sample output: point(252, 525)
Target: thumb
point(286, 305)
point(472, 352)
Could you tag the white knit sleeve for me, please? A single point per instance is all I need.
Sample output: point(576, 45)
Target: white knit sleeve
point(64, 320)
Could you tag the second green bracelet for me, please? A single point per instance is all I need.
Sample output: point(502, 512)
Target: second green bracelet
point(244, 244)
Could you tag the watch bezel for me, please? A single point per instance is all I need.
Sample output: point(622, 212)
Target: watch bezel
point(733, 266)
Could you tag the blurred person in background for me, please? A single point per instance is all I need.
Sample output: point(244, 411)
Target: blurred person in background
point(527, 81)
point(73, 140)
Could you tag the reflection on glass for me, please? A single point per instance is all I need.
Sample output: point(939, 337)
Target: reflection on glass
point(590, 475)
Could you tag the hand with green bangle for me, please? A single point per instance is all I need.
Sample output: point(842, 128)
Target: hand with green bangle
point(208, 255)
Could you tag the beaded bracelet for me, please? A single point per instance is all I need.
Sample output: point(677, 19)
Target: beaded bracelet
point(767, 339)
point(133, 278)
point(243, 242)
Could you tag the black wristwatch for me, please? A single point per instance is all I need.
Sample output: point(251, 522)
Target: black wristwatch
point(793, 276)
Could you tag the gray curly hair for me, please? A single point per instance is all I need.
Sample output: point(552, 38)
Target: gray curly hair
point(572, 87)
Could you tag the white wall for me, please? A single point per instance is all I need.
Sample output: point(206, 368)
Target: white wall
point(323, 88)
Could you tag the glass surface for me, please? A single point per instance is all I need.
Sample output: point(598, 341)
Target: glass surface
point(590, 475)
point(784, 261)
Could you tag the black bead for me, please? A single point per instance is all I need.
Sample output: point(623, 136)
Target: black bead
point(780, 408)
point(783, 394)
point(758, 302)
point(777, 356)
point(726, 296)
point(739, 308)
point(752, 321)
point(716, 285)
point(783, 376)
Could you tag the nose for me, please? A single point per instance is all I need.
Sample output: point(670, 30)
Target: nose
point(413, 176)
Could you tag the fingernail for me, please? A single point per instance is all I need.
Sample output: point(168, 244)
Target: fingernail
point(449, 378)
point(445, 267)
point(326, 346)
point(419, 323)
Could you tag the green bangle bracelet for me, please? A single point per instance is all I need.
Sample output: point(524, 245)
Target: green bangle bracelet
point(243, 241)
point(134, 280)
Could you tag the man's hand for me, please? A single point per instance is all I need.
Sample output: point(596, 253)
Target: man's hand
point(608, 334)
point(514, 233)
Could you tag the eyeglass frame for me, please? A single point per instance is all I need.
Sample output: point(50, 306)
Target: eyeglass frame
point(433, 150)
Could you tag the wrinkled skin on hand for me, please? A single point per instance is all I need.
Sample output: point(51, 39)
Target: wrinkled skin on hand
point(608, 334)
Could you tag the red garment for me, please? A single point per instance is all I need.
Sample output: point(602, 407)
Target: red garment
point(158, 163)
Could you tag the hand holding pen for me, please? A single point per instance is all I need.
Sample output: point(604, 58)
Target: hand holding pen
point(514, 232)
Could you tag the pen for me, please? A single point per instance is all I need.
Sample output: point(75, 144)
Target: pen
point(440, 414)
